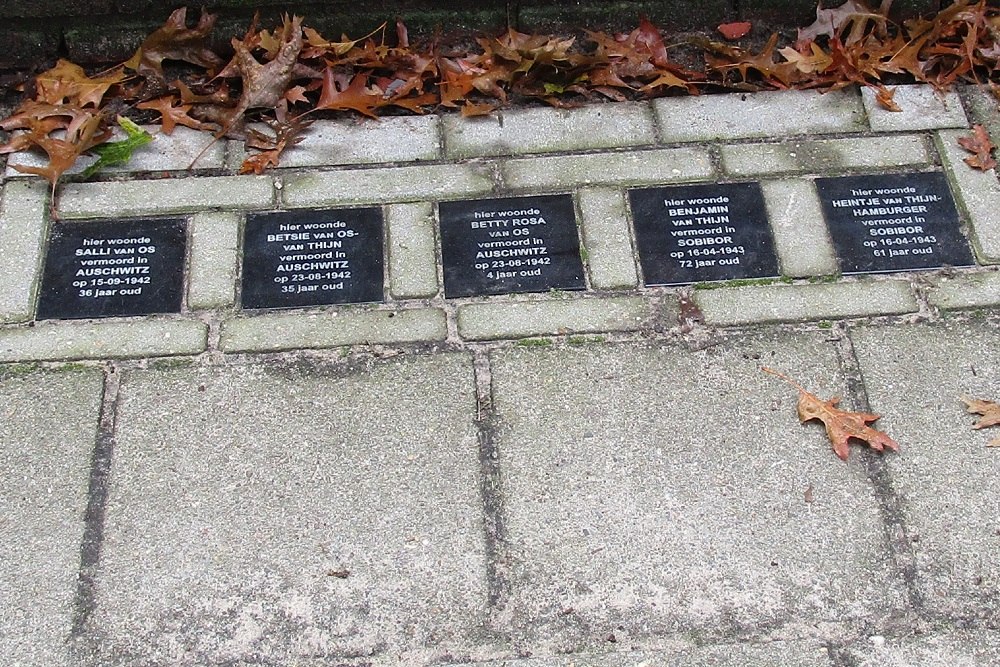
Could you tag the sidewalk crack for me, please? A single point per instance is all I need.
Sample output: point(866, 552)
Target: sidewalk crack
point(85, 598)
point(890, 502)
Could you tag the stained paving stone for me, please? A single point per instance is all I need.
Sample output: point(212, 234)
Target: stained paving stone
point(978, 195)
point(944, 474)
point(921, 108)
point(947, 649)
point(771, 114)
point(102, 339)
point(660, 490)
point(965, 290)
point(23, 225)
point(823, 156)
point(359, 141)
point(48, 427)
point(296, 512)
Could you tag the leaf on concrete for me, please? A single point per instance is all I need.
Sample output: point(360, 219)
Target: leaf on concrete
point(842, 426)
point(990, 413)
point(885, 98)
point(173, 114)
point(175, 41)
point(119, 152)
point(980, 145)
point(287, 133)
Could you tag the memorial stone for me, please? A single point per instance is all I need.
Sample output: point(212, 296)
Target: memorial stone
point(893, 222)
point(309, 258)
point(694, 233)
point(514, 244)
point(113, 268)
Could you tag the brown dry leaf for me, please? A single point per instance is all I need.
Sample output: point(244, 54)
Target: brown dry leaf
point(175, 41)
point(817, 60)
point(172, 116)
point(67, 83)
point(990, 412)
point(885, 98)
point(841, 425)
point(979, 144)
point(354, 97)
point(735, 30)
point(470, 109)
point(287, 134)
point(830, 22)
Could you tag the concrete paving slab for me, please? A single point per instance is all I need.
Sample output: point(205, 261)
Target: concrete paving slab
point(921, 108)
point(23, 226)
point(119, 338)
point(770, 114)
point(270, 514)
point(48, 427)
point(824, 155)
point(946, 476)
point(950, 649)
point(652, 490)
point(965, 290)
point(774, 654)
point(361, 141)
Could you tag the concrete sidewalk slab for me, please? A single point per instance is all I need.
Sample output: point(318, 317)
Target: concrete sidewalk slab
point(45, 455)
point(652, 491)
point(945, 474)
point(774, 654)
point(268, 514)
point(970, 648)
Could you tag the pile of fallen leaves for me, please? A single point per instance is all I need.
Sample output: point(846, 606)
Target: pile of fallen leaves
point(285, 77)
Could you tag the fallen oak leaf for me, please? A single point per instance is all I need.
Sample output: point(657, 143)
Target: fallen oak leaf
point(979, 144)
point(175, 41)
point(841, 425)
point(990, 412)
point(885, 98)
point(67, 83)
point(171, 115)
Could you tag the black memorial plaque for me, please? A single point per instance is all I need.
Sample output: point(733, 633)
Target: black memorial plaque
point(113, 268)
point(693, 233)
point(311, 258)
point(893, 222)
point(514, 244)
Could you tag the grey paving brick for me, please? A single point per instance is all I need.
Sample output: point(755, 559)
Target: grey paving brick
point(102, 339)
point(639, 167)
point(768, 114)
point(728, 306)
point(773, 654)
point(334, 517)
point(387, 185)
point(604, 221)
point(164, 196)
point(519, 319)
point(965, 290)
point(969, 648)
point(290, 331)
point(914, 377)
point(631, 504)
point(358, 141)
point(213, 263)
point(824, 155)
point(981, 107)
point(167, 152)
point(48, 426)
point(547, 130)
point(23, 225)
point(978, 195)
point(413, 270)
point(922, 109)
point(800, 234)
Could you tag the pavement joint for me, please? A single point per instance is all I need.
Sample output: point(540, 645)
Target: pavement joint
point(97, 500)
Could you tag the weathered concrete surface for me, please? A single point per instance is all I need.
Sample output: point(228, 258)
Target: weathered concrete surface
point(947, 649)
point(275, 513)
point(945, 474)
point(652, 490)
point(48, 427)
point(785, 654)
